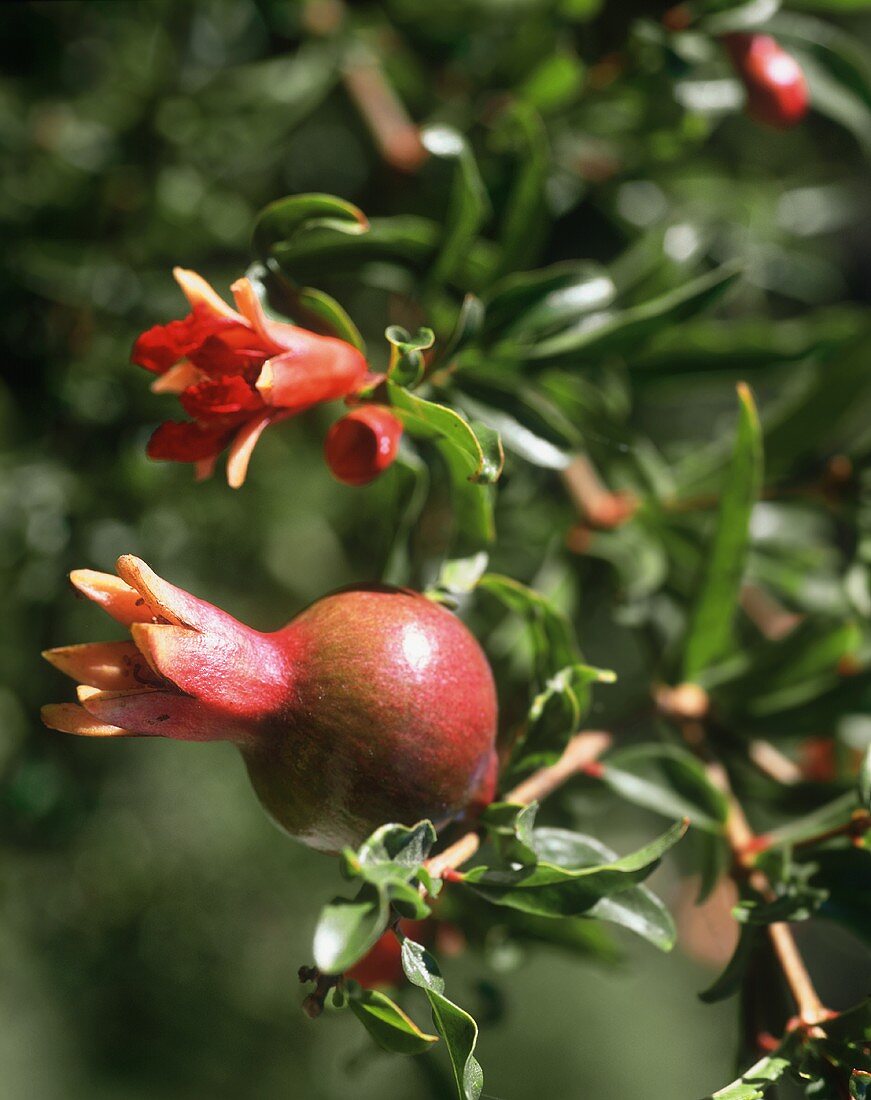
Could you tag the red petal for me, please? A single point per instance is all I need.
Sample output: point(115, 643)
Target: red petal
point(232, 351)
point(187, 441)
point(220, 397)
point(317, 368)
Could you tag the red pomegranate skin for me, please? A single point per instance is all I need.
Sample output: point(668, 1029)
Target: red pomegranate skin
point(373, 705)
point(777, 92)
point(392, 717)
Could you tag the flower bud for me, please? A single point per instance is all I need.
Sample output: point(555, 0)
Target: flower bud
point(777, 92)
point(361, 445)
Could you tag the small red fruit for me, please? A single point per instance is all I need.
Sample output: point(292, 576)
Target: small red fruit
point(373, 705)
point(363, 444)
point(777, 92)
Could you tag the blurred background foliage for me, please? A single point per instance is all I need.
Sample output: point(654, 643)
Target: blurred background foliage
point(152, 920)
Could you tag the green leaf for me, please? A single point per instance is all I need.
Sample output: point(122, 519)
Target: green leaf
point(617, 332)
point(553, 84)
point(388, 1025)
point(549, 889)
point(831, 815)
point(755, 1082)
point(556, 713)
point(406, 354)
point(710, 629)
point(456, 1027)
point(524, 219)
point(636, 908)
point(282, 221)
point(467, 328)
point(552, 635)
point(459, 576)
point(863, 780)
point(740, 16)
point(509, 825)
point(402, 846)
point(468, 205)
point(477, 447)
point(348, 927)
point(532, 304)
point(668, 780)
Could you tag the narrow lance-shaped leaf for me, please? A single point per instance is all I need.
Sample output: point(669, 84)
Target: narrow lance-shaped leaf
point(456, 1027)
point(755, 1082)
point(636, 908)
point(710, 628)
point(283, 220)
point(548, 889)
point(617, 331)
point(468, 205)
point(668, 780)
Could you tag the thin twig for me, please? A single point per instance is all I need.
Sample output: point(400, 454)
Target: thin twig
point(582, 751)
point(740, 836)
point(595, 502)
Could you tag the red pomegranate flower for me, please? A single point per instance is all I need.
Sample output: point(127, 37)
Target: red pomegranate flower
point(362, 444)
point(373, 705)
point(235, 372)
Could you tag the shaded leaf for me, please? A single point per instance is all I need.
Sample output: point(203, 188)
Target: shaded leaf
point(456, 1027)
point(388, 1025)
point(668, 780)
point(282, 221)
point(732, 977)
point(710, 629)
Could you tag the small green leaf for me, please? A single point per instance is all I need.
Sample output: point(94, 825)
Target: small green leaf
point(388, 1025)
point(510, 825)
point(755, 1082)
point(477, 446)
point(460, 576)
point(709, 633)
point(531, 304)
point(402, 845)
point(348, 927)
point(456, 1027)
point(668, 780)
point(282, 221)
point(406, 354)
point(609, 332)
point(552, 635)
point(864, 780)
point(525, 216)
point(549, 889)
point(556, 713)
point(636, 908)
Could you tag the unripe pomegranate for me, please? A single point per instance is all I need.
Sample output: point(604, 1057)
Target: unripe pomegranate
point(777, 92)
point(362, 444)
point(373, 705)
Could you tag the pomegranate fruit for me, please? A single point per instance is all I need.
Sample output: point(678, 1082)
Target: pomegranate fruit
point(372, 705)
point(777, 92)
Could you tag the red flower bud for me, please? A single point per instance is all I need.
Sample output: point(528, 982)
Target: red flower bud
point(373, 705)
point(363, 444)
point(777, 93)
point(236, 372)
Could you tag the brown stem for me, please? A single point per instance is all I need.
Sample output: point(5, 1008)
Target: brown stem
point(595, 502)
point(395, 134)
point(739, 834)
point(582, 751)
